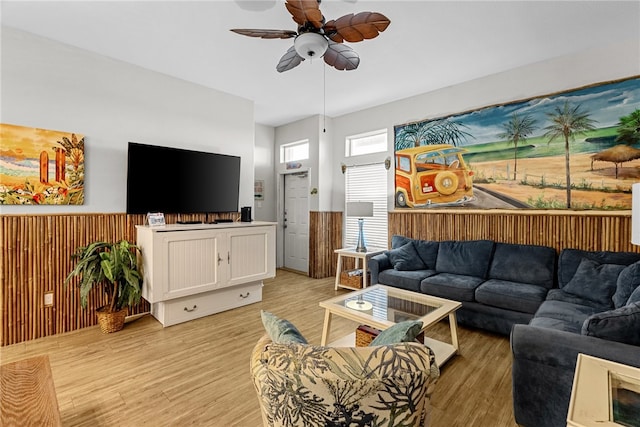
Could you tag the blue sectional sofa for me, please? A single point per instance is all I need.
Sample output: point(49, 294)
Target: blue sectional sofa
point(498, 284)
point(595, 310)
point(552, 306)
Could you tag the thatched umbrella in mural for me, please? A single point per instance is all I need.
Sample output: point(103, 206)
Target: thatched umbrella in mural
point(617, 154)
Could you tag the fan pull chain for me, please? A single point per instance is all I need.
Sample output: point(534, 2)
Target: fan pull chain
point(324, 98)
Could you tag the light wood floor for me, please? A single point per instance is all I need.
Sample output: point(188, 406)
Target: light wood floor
point(197, 373)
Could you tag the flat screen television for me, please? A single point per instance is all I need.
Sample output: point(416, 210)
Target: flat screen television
point(175, 180)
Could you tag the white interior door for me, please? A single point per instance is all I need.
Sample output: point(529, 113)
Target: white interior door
point(296, 222)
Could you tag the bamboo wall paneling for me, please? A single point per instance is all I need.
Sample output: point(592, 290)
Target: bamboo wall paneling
point(36, 258)
point(609, 231)
point(325, 236)
point(36, 251)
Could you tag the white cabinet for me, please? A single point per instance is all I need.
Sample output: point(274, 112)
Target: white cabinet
point(192, 271)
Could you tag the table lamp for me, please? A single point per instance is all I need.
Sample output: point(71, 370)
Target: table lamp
point(360, 210)
point(635, 214)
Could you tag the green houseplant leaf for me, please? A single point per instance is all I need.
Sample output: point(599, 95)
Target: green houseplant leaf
point(112, 267)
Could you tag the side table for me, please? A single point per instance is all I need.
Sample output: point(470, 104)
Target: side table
point(361, 258)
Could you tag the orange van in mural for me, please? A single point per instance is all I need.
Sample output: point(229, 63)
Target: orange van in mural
point(432, 175)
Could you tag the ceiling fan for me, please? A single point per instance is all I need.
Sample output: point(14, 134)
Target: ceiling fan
point(317, 38)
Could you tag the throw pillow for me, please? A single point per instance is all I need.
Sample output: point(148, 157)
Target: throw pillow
point(628, 280)
point(405, 258)
point(281, 331)
point(397, 241)
point(621, 324)
point(406, 331)
point(594, 282)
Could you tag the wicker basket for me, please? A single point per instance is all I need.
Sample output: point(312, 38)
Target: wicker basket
point(365, 334)
point(111, 321)
point(347, 278)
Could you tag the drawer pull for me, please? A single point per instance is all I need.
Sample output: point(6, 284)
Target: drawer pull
point(189, 310)
point(245, 296)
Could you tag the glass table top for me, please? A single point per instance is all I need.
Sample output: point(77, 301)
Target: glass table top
point(389, 305)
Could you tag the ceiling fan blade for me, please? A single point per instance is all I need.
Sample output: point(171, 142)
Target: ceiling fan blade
point(265, 34)
point(304, 11)
point(355, 28)
point(341, 57)
point(289, 60)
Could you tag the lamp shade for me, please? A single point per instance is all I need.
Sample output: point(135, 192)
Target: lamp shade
point(310, 45)
point(360, 209)
point(635, 214)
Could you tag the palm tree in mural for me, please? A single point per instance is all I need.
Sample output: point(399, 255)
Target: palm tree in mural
point(440, 131)
point(566, 122)
point(629, 128)
point(515, 130)
point(74, 149)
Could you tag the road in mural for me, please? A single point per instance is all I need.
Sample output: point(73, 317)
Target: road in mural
point(574, 150)
point(40, 166)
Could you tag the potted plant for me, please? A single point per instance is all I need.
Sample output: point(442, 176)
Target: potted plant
point(114, 268)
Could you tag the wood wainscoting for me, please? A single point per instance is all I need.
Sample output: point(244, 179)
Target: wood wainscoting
point(588, 230)
point(35, 259)
point(36, 252)
point(325, 236)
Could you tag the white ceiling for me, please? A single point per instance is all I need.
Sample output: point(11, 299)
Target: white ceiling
point(429, 44)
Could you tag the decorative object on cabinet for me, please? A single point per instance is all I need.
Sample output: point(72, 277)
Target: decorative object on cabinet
point(41, 166)
point(112, 267)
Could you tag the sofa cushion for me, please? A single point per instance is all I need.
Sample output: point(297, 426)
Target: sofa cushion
point(557, 324)
point(628, 281)
point(456, 287)
point(405, 258)
point(281, 330)
point(595, 282)
point(469, 258)
point(566, 311)
point(635, 296)
point(428, 252)
point(524, 263)
point(569, 260)
point(621, 324)
point(560, 295)
point(409, 280)
point(406, 331)
point(522, 297)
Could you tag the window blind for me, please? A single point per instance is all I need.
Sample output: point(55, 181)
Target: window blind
point(367, 183)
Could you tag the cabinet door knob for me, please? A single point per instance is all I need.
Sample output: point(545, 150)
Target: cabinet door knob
point(189, 310)
point(245, 296)
point(219, 259)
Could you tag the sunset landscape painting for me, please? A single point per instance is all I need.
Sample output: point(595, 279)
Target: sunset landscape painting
point(40, 166)
point(576, 150)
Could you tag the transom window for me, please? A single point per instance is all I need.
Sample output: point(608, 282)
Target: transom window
point(294, 151)
point(366, 143)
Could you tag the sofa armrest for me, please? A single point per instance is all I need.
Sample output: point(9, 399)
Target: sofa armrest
point(378, 263)
point(544, 362)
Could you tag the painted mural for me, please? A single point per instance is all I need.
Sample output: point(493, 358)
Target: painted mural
point(578, 149)
point(40, 166)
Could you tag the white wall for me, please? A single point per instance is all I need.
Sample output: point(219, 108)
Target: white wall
point(616, 62)
point(50, 85)
point(265, 210)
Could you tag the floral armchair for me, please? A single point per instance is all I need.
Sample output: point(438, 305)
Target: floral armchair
point(306, 385)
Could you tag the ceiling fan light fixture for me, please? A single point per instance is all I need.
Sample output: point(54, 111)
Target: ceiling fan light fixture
point(310, 45)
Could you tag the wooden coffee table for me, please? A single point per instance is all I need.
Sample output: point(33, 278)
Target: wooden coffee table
point(382, 306)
